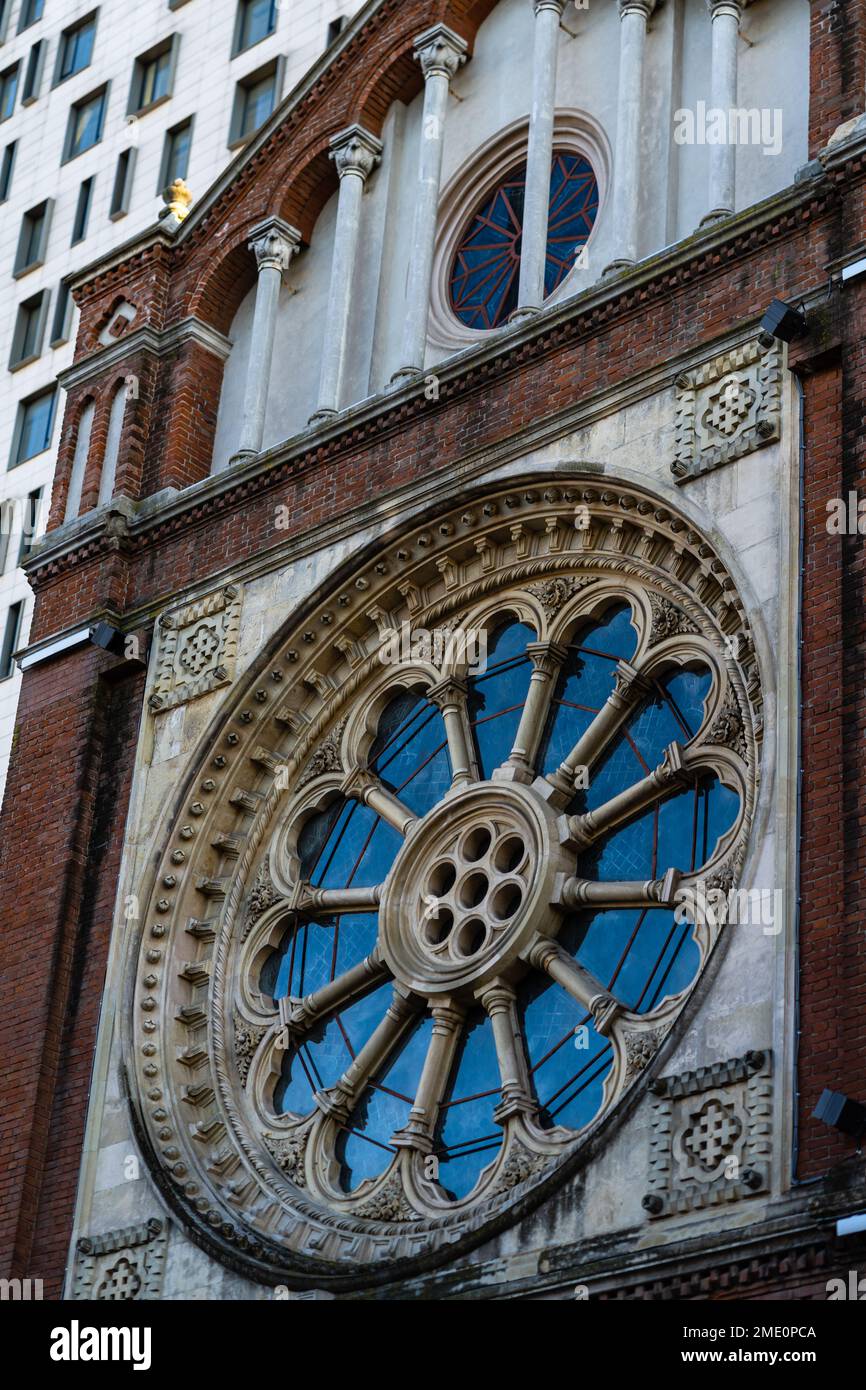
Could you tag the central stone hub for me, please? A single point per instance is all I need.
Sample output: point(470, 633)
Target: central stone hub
point(470, 888)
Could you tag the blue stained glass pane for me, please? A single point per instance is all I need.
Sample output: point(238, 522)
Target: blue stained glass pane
point(585, 683)
point(365, 1149)
point(359, 852)
point(497, 697)
point(410, 754)
point(640, 955)
point(485, 273)
point(327, 1052)
point(468, 1136)
point(567, 1070)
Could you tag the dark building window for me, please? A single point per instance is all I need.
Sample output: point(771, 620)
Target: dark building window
point(8, 91)
point(33, 73)
point(33, 427)
point(11, 634)
point(153, 77)
point(122, 190)
point(175, 154)
point(76, 48)
point(82, 211)
point(335, 29)
point(7, 167)
point(255, 99)
point(86, 122)
point(31, 523)
point(29, 330)
point(31, 10)
point(255, 21)
point(62, 320)
point(33, 238)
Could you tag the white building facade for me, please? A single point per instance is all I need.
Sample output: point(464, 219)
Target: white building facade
point(101, 107)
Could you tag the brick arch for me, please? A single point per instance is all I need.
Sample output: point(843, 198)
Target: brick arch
point(303, 197)
point(75, 408)
point(223, 284)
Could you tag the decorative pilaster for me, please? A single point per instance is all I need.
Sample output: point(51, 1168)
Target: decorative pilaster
point(725, 16)
point(440, 52)
point(634, 15)
point(355, 153)
point(536, 206)
point(273, 243)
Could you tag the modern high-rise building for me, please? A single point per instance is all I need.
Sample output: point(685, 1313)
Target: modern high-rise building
point(102, 106)
point(433, 841)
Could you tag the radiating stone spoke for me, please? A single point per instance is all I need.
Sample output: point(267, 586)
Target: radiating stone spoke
point(364, 786)
point(299, 1015)
point(577, 893)
point(549, 957)
point(671, 775)
point(340, 1100)
point(629, 688)
point(547, 660)
point(450, 695)
point(500, 1003)
point(338, 900)
point(417, 1133)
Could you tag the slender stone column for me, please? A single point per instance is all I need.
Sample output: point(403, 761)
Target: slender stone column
point(417, 1133)
point(273, 243)
point(500, 1002)
point(450, 695)
point(626, 171)
point(440, 52)
point(725, 15)
point(547, 659)
point(356, 153)
point(536, 203)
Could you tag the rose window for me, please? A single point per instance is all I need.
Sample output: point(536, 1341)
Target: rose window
point(486, 268)
point(427, 911)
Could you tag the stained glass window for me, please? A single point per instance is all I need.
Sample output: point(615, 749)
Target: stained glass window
point(486, 269)
point(639, 955)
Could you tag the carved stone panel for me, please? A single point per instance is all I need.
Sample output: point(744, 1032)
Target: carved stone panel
point(122, 1266)
point(197, 649)
point(727, 408)
point(711, 1135)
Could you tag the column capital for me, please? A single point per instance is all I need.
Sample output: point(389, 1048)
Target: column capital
point(732, 8)
point(440, 51)
point(273, 243)
point(356, 151)
point(641, 7)
point(557, 5)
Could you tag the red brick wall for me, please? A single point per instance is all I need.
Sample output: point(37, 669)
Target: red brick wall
point(61, 834)
point(837, 85)
point(833, 946)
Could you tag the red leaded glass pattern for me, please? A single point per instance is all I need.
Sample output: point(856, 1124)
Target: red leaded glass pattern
point(486, 270)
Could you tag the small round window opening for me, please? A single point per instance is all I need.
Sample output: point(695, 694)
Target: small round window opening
point(485, 273)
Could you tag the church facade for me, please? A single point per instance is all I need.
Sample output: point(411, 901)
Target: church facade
point(433, 832)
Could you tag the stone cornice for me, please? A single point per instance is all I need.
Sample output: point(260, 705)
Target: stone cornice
point(797, 1232)
point(145, 340)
